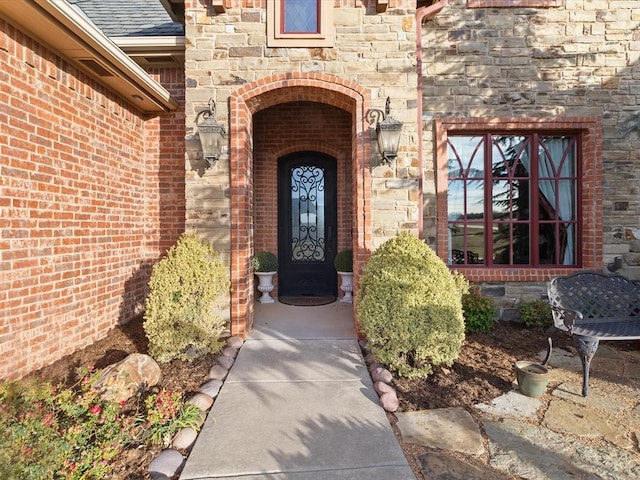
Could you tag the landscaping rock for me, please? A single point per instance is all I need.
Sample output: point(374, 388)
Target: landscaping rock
point(443, 428)
point(225, 362)
point(122, 380)
point(184, 438)
point(381, 387)
point(230, 352)
point(441, 466)
point(218, 372)
point(373, 366)
point(202, 400)
point(363, 342)
point(201, 418)
point(211, 388)
point(512, 404)
point(381, 375)
point(389, 401)
point(166, 464)
point(235, 342)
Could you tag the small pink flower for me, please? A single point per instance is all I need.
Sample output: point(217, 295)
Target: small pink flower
point(47, 421)
point(95, 409)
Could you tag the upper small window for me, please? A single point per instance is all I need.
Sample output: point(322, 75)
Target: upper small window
point(513, 3)
point(300, 16)
point(300, 23)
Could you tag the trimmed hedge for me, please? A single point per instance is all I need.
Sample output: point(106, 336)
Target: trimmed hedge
point(409, 307)
point(180, 322)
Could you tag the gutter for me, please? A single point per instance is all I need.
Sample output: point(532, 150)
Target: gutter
point(71, 34)
point(422, 14)
point(150, 43)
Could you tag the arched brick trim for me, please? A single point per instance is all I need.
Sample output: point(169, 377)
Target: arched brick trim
point(264, 93)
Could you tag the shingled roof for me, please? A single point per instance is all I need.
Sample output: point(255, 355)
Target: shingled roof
point(130, 18)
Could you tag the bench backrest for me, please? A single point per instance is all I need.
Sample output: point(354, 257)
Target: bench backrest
point(595, 295)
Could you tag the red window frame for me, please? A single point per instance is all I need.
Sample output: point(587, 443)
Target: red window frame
point(277, 37)
point(591, 241)
point(533, 222)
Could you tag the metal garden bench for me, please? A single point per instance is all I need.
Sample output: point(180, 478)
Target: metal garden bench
point(592, 306)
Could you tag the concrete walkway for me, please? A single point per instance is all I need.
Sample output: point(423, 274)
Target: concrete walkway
point(298, 404)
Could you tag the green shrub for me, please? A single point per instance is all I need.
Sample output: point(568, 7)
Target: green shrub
point(51, 432)
point(179, 319)
point(409, 307)
point(165, 414)
point(479, 312)
point(344, 261)
point(535, 314)
point(265, 262)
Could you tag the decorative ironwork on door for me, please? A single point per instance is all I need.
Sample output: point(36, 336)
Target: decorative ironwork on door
point(307, 224)
point(307, 212)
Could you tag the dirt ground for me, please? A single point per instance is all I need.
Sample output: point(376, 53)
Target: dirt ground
point(483, 371)
point(120, 342)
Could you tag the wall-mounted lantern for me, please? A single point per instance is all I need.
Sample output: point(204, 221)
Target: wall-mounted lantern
point(388, 132)
point(211, 134)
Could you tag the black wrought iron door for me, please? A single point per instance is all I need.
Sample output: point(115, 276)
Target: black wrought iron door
point(307, 217)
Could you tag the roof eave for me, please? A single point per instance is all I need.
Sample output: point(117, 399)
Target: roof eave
point(60, 26)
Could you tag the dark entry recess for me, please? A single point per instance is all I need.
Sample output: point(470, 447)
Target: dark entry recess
point(307, 224)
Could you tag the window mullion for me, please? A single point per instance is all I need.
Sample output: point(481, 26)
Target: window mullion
point(488, 199)
point(534, 191)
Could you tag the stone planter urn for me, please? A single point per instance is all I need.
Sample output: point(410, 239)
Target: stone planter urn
point(343, 262)
point(532, 378)
point(265, 266)
point(346, 285)
point(265, 286)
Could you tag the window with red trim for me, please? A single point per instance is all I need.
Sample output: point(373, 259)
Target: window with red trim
point(512, 199)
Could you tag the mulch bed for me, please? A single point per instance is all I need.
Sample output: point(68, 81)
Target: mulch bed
point(483, 371)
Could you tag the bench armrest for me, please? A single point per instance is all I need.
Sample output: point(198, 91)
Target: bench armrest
point(565, 318)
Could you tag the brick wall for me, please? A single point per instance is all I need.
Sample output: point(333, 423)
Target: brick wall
point(91, 193)
point(300, 126)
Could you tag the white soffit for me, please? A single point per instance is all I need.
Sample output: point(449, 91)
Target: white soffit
point(72, 35)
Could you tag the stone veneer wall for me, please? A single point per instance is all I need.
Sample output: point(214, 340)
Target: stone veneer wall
point(226, 52)
point(577, 60)
point(89, 199)
point(580, 60)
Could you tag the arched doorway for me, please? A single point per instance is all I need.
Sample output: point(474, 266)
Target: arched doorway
point(254, 152)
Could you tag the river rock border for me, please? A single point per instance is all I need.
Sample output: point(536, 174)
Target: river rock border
point(169, 462)
point(382, 379)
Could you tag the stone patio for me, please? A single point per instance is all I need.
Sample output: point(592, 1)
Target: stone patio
point(559, 435)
